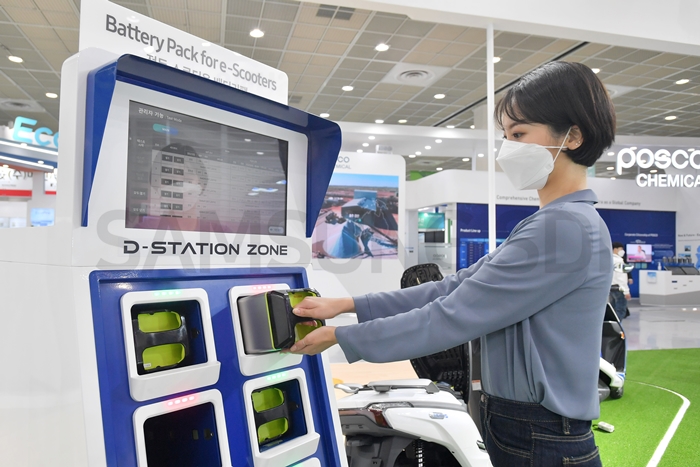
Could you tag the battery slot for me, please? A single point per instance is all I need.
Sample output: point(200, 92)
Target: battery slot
point(280, 424)
point(167, 335)
point(173, 438)
point(168, 342)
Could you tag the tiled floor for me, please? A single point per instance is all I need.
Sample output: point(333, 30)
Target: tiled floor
point(654, 327)
point(646, 328)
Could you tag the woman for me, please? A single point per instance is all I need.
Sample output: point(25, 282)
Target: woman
point(537, 301)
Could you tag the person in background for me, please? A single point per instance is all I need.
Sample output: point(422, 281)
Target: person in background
point(619, 290)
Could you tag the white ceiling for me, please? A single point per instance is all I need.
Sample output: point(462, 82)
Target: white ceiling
point(324, 47)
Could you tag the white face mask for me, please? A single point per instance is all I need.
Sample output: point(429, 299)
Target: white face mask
point(527, 165)
point(621, 253)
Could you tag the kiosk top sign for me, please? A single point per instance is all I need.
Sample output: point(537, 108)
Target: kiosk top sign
point(114, 28)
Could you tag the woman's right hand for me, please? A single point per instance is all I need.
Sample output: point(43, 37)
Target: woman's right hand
point(324, 308)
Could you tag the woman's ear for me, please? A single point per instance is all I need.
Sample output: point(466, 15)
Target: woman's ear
point(575, 139)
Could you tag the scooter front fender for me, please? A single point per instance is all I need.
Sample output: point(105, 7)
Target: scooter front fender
point(453, 429)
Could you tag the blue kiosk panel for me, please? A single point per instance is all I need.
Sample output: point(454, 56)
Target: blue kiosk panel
point(107, 289)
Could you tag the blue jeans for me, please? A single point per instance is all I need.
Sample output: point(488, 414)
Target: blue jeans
point(522, 434)
point(619, 303)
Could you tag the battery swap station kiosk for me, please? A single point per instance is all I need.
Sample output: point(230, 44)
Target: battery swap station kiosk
point(180, 248)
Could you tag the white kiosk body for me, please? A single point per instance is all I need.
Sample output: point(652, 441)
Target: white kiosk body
point(664, 288)
point(123, 345)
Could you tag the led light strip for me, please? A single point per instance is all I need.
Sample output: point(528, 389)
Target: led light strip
point(42, 167)
point(29, 148)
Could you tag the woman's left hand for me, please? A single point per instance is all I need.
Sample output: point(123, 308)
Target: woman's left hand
point(315, 342)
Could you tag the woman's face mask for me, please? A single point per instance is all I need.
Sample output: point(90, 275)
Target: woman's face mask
point(527, 165)
point(620, 253)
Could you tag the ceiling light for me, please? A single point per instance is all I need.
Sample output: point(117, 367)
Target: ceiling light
point(613, 178)
point(653, 171)
point(691, 150)
point(595, 70)
point(381, 47)
point(259, 153)
point(610, 168)
point(411, 156)
point(370, 137)
point(450, 126)
point(418, 153)
point(24, 145)
point(360, 150)
point(438, 168)
point(403, 120)
point(611, 153)
point(496, 59)
point(325, 115)
point(347, 88)
point(365, 145)
point(438, 141)
point(379, 121)
point(51, 95)
point(472, 126)
point(14, 58)
point(633, 148)
point(682, 81)
point(247, 140)
point(480, 155)
point(670, 117)
point(428, 147)
point(439, 96)
point(256, 33)
point(39, 162)
point(5, 166)
point(465, 159)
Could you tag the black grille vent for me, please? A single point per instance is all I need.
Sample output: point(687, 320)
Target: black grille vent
point(332, 11)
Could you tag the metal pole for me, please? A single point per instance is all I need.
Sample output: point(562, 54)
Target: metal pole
point(491, 130)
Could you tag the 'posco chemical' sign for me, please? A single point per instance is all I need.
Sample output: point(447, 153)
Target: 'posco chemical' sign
point(661, 159)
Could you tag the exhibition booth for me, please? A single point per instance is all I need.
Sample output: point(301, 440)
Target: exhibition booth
point(195, 211)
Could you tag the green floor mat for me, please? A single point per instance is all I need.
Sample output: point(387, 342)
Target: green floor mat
point(644, 414)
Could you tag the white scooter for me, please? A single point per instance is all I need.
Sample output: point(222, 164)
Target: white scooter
point(411, 422)
point(415, 422)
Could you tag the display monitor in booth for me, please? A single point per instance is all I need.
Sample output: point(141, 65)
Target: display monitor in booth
point(436, 236)
point(190, 174)
point(41, 217)
point(431, 220)
point(639, 253)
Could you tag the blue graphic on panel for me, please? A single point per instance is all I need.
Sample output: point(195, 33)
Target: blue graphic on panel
point(472, 229)
point(472, 233)
point(655, 228)
point(508, 217)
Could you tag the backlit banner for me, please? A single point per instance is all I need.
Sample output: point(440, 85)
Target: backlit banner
point(111, 27)
point(15, 183)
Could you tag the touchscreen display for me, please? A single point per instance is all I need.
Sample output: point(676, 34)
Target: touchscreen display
point(186, 173)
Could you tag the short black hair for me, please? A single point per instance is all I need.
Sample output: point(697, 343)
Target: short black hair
point(562, 94)
point(617, 245)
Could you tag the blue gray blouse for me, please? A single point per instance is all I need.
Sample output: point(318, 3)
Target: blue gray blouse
point(537, 302)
